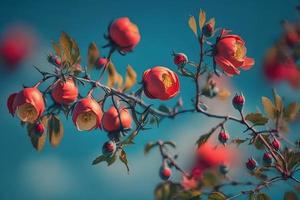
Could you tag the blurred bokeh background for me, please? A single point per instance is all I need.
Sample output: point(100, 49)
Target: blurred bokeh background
point(66, 171)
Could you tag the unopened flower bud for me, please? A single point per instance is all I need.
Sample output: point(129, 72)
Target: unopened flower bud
point(238, 102)
point(251, 164)
point(101, 62)
point(208, 29)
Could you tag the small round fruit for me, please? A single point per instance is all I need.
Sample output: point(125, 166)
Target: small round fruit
point(109, 148)
point(165, 173)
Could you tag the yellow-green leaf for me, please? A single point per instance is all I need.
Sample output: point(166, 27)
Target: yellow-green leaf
point(75, 53)
point(55, 130)
point(216, 196)
point(268, 107)
point(148, 147)
point(278, 101)
point(292, 111)
point(66, 45)
point(262, 196)
point(93, 55)
point(202, 18)
point(193, 25)
point(256, 119)
point(130, 78)
point(113, 76)
point(123, 158)
point(56, 47)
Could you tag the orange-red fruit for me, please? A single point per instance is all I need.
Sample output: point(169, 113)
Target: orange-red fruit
point(28, 104)
point(87, 114)
point(111, 119)
point(124, 33)
point(65, 92)
point(160, 83)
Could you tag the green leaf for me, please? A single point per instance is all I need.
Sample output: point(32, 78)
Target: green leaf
point(93, 55)
point(56, 47)
point(111, 160)
point(268, 107)
point(170, 143)
point(290, 195)
point(256, 119)
point(216, 196)
point(130, 79)
point(238, 141)
point(99, 159)
point(148, 147)
point(169, 190)
point(251, 196)
point(66, 45)
point(193, 25)
point(262, 196)
point(113, 76)
point(292, 111)
point(203, 139)
point(258, 142)
point(123, 158)
point(278, 101)
point(75, 53)
point(164, 108)
point(202, 18)
point(55, 130)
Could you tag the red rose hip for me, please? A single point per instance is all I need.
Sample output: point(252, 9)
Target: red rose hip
point(111, 119)
point(160, 83)
point(124, 34)
point(64, 92)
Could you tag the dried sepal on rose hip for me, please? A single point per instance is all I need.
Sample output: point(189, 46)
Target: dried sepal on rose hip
point(64, 92)
point(230, 54)
point(28, 104)
point(109, 148)
point(165, 172)
point(124, 34)
point(111, 119)
point(160, 83)
point(87, 114)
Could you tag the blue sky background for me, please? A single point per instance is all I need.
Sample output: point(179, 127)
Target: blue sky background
point(65, 172)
